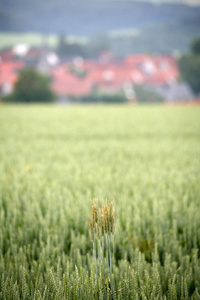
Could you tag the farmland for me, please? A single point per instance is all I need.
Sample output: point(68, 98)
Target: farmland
point(31, 39)
point(55, 160)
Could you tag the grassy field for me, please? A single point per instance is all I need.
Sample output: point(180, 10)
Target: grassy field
point(34, 39)
point(54, 160)
point(30, 38)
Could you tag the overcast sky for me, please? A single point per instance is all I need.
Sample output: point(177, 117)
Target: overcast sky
point(191, 2)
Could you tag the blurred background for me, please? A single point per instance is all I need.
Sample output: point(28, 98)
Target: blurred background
point(100, 51)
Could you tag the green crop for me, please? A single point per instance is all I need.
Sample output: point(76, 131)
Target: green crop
point(102, 235)
point(54, 160)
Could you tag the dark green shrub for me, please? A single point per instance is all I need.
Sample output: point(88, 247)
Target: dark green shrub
point(145, 94)
point(31, 87)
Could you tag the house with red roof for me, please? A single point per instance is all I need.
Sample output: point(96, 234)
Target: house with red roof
point(80, 77)
point(139, 69)
point(9, 70)
point(66, 84)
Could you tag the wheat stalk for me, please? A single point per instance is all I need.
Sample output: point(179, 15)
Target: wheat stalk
point(102, 236)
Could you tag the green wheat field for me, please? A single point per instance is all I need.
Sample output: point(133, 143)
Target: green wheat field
point(55, 160)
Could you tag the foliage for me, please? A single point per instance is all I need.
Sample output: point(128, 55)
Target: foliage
point(190, 71)
point(97, 44)
point(56, 159)
point(102, 235)
point(145, 94)
point(101, 96)
point(195, 46)
point(32, 86)
point(190, 67)
point(66, 49)
point(77, 71)
point(163, 28)
point(93, 48)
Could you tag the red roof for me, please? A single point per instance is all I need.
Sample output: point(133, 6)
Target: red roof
point(66, 84)
point(155, 70)
point(9, 71)
point(135, 69)
point(135, 59)
point(7, 54)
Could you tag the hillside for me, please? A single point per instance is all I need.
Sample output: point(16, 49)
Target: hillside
point(173, 25)
point(75, 17)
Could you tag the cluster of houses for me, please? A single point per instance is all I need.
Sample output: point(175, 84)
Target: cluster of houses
point(76, 77)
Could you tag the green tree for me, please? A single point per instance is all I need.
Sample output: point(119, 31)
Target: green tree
point(195, 46)
point(101, 96)
point(145, 94)
point(189, 66)
point(32, 87)
point(98, 44)
point(67, 49)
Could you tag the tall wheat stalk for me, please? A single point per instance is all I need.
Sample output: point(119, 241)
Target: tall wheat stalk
point(102, 235)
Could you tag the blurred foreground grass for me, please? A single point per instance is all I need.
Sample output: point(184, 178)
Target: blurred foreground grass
point(55, 159)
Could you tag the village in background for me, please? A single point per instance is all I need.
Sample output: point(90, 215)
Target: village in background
point(102, 51)
point(96, 74)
